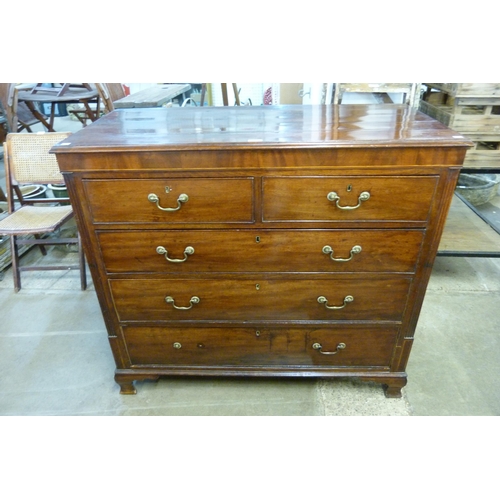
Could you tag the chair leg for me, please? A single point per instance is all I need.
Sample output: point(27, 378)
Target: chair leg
point(81, 258)
point(40, 246)
point(16, 273)
point(203, 92)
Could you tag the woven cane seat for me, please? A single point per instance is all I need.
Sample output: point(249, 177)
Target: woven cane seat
point(29, 220)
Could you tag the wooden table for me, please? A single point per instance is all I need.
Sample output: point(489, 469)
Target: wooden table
point(153, 97)
point(65, 94)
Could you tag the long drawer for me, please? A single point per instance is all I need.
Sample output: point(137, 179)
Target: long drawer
point(260, 251)
point(378, 299)
point(308, 199)
point(353, 345)
point(185, 200)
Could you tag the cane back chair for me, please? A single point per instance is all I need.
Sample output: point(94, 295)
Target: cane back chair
point(28, 161)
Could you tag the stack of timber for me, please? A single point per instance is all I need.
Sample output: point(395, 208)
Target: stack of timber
point(473, 110)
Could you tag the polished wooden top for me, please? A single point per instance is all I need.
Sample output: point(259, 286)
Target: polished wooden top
point(245, 127)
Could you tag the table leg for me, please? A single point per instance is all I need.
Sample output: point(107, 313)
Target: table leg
point(225, 99)
point(48, 125)
point(203, 92)
point(90, 113)
point(52, 115)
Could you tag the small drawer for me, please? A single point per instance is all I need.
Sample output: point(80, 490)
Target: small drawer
point(260, 251)
point(376, 299)
point(309, 199)
point(170, 201)
point(346, 346)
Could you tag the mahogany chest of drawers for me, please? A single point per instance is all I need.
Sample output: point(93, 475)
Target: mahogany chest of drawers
point(262, 241)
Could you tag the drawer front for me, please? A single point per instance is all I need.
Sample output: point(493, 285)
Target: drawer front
point(208, 200)
point(353, 345)
point(260, 251)
point(377, 299)
point(306, 199)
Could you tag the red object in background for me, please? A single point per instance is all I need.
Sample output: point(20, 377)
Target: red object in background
point(126, 89)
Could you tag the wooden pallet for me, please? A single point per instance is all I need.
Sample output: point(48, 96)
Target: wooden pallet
point(469, 108)
point(467, 89)
point(486, 152)
point(473, 109)
point(480, 118)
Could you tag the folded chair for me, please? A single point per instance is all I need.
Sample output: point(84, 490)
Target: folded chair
point(19, 116)
point(109, 93)
point(28, 161)
point(85, 113)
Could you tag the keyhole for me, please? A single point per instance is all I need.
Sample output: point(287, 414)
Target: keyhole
point(349, 188)
point(257, 286)
point(257, 239)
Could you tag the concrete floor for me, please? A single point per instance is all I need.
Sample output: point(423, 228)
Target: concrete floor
point(56, 359)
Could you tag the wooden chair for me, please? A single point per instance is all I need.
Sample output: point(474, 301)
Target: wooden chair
point(19, 116)
point(225, 97)
point(81, 113)
point(110, 92)
point(28, 161)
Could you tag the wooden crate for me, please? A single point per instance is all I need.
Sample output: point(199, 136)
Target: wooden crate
point(473, 109)
point(483, 117)
point(467, 89)
point(486, 152)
